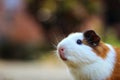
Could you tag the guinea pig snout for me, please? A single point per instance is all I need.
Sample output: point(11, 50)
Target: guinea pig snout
point(61, 51)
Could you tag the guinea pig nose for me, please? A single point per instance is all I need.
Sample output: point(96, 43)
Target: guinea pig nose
point(61, 49)
point(62, 53)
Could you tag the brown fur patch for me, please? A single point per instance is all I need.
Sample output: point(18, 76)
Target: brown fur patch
point(116, 73)
point(101, 50)
point(85, 42)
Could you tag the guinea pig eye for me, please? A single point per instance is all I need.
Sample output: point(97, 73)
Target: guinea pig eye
point(79, 41)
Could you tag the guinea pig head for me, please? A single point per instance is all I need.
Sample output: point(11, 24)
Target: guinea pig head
point(77, 48)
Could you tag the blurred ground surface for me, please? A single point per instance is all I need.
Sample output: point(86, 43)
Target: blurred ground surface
point(49, 68)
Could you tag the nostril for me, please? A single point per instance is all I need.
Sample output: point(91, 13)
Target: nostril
point(61, 49)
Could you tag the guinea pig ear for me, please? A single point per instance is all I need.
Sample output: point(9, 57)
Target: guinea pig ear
point(92, 38)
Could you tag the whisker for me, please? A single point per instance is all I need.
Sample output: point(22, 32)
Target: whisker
point(54, 45)
point(54, 52)
point(57, 38)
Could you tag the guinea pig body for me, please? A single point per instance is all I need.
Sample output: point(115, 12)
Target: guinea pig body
point(88, 58)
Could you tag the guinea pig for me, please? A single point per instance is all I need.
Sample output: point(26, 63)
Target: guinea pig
point(88, 58)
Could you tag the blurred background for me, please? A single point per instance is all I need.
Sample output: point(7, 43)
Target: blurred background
point(30, 30)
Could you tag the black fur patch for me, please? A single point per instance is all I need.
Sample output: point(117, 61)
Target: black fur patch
point(92, 38)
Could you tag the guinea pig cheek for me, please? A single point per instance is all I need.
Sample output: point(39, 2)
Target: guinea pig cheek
point(85, 55)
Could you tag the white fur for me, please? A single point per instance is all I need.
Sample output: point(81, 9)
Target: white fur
point(100, 70)
point(86, 64)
